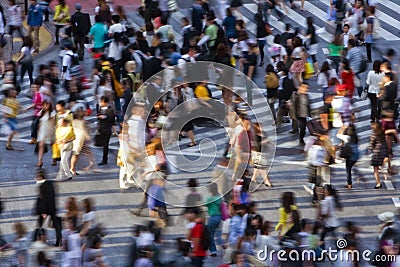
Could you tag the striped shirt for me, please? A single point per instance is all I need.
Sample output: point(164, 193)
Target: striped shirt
point(355, 57)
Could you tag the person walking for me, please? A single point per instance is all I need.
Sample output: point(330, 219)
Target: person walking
point(97, 33)
point(213, 205)
point(106, 119)
point(302, 109)
point(26, 60)
point(46, 204)
point(285, 91)
point(61, 18)
point(35, 21)
point(10, 117)
point(81, 27)
point(45, 130)
point(15, 18)
point(379, 149)
point(374, 79)
point(64, 137)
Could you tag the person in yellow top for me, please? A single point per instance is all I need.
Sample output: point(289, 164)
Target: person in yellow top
point(10, 106)
point(285, 223)
point(61, 17)
point(62, 113)
point(64, 137)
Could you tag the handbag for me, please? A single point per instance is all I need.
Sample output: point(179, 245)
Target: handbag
point(98, 139)
point(37, 149)
point(224, 211)
point(364, 93)
point(268, 29)
point(345, 151)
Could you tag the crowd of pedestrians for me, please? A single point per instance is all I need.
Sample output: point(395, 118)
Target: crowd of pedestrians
point(127, 83)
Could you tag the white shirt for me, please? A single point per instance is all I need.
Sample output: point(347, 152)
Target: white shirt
point(345, 39)
point(373, 81)
point(328, 207)
point(97, 9)
point(67, 59)
point(15, 16)
point(136, 132)
point(91, 218)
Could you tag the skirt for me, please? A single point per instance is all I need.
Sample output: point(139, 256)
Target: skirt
point(297, 66)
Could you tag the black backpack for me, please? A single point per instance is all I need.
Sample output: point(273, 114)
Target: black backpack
point(221, 37)
point(205, 240)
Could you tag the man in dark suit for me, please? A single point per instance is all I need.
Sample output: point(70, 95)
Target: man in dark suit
point(154, 90)
point(285, 91)
point(46, 204)
point(81, 24)
point(151, 65)
point(106, 119)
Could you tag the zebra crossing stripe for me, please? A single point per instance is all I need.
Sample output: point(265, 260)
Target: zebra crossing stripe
point(396, 202)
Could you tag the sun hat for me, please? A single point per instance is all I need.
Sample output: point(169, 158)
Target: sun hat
point(386, 217)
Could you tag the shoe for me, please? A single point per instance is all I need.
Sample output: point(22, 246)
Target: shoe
point(192, 144)
point(56, 43)
point(293, 132)
point(268, 185)
point(301, 143)
point(74, 172)
point(9, 147)
point(54, 162)
point(33, 141)
point(102, 163)
point(261, 64)
point(349, 186)
point(213, 254)
point(378, 186)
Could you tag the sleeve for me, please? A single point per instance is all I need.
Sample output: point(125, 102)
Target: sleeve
point(65, 60)
point(225, 226)
point(368, 81)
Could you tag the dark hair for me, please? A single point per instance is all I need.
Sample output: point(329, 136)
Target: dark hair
point(88, 204)
point(346, 25)
point(352, 42)
point(96, 240)
point(287, 201)
point(115, 18)
point(376, 66)
point(27, 41)
point(287, 26)
point(61, 3)
point(228, 12)
point(297, 42)
point(105, 99)
point(164, 20)
point(42, 259)
point(277, 39)
point(346, 64)
point(389, 75)
point(61, 103)
point(324, 68)
point(390, 52)
point(192, 183)
point(309, 21)
point(304, 222)
point(269, 68)
point(265, 228)
point(97, 18)
point(372, 10)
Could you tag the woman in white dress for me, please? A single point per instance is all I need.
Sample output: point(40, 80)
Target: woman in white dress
point(45, 130)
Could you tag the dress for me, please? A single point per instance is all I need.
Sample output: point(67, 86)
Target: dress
point(46, 128)
point(81, 135)
point(298, 63)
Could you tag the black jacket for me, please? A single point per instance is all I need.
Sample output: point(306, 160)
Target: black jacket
point(46, 202)
point(389, 96)
point(287, 89)
point(105, 125)
point(151, 66)
point(81, 22)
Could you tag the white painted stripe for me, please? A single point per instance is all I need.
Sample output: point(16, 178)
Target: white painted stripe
point(384, 33)
point(390, 4)
point(389, 185)
point(396, 202)
point(299, 19)
point(383, 17)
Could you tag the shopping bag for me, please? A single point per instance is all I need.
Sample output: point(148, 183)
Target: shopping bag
point(309, 70)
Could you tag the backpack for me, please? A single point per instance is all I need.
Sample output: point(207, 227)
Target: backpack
point(205, 240)
point(221, 37)
point(75, 69)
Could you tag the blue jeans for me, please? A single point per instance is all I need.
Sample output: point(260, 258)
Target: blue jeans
point(213, 223)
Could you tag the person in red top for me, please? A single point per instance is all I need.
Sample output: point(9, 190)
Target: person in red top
point(198, 252)
point(37, 105)
point(347, 76)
